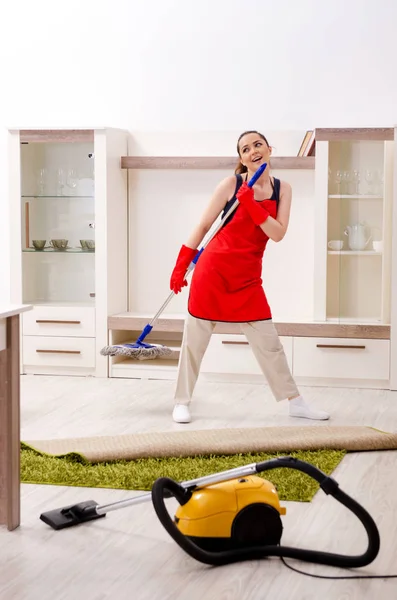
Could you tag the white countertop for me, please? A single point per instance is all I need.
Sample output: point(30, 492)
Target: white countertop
point(9, 310)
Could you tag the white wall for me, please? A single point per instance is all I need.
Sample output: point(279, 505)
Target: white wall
point(183, 65)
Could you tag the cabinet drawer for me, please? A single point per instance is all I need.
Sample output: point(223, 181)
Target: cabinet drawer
point(58, 351)
point(227, 353)
point(64, 321)
point(341, 358)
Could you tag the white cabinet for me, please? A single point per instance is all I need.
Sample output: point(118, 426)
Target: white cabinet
point(230, 356)
point(71, 354)
point(70, 185)
point(354, 274)
point(356, 360)
point(68, 205)
point(312, 360)
point(340, 357)
point(353, 225)
point(63, 321)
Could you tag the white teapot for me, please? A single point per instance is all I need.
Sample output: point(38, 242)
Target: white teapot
point(358, 238)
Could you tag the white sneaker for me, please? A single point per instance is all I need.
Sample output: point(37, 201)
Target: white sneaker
point(305, 412)
point(299, 408)
point(181, 413)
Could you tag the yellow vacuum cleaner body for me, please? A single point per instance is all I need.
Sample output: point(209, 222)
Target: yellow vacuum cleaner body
point(232, 514)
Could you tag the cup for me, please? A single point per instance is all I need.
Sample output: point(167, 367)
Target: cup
point(335, 244)
point(38, 244)
point(87, 244)
point(59, 244)
point(377, 246)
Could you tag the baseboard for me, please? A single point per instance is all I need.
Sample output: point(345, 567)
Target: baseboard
point(72, 372)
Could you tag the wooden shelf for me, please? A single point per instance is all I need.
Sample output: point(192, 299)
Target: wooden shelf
point(210, 162)
point(175, 324)
point(56, 135)
point(324, 134)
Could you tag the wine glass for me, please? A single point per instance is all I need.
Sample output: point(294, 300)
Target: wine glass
point(347, 181)
point(369, 178)
point(71, 180)
point(380, 181)
point(41, 181)
point(357, 180)
point(338, 179)
point(60, 181)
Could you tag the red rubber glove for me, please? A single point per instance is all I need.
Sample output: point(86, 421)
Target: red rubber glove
point(184, 259)
point(258, 213)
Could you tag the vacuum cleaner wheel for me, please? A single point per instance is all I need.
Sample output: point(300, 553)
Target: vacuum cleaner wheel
point(257, 524)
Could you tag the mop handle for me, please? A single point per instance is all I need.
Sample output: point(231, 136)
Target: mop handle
point(251, 182)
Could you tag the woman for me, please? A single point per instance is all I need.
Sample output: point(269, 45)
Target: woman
point(226, 284)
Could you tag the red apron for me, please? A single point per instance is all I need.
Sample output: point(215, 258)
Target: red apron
point(226, 282)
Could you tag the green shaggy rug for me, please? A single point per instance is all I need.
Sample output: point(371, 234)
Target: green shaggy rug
point(140, 473)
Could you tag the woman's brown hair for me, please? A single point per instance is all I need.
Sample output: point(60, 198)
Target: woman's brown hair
point(240, 167)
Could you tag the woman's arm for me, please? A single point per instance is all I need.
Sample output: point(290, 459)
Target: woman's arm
point(222, 194)
point(277, 228)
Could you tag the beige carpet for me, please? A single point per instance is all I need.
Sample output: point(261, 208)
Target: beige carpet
point(219, 441)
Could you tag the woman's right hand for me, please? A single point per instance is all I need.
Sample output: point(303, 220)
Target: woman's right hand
point(185, 257)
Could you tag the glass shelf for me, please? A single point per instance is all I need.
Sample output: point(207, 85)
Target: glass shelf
point(68, 251)
point(357, 196)
point(54, 196)
point(355, 252)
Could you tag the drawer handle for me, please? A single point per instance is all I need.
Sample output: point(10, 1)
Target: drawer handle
point(58, 322)
point(59, 351)
point(339, 346)
point(235, 343)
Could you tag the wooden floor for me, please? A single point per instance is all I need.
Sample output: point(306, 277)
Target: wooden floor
point(128, 555)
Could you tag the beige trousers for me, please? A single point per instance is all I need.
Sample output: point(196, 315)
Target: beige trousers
point(266, 346)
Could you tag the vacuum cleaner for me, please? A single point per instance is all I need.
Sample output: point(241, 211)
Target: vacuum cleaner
point(231, 516)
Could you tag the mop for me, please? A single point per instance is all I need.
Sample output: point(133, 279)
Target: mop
point(144, 351)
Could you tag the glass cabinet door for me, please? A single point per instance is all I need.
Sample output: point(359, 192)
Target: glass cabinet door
point(357, 232)
point(58, 223)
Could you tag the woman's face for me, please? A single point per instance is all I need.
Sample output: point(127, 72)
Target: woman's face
point(253, 151)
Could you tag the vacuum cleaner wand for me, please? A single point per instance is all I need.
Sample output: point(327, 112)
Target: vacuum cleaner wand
point(82, 512)
point(139, 349)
